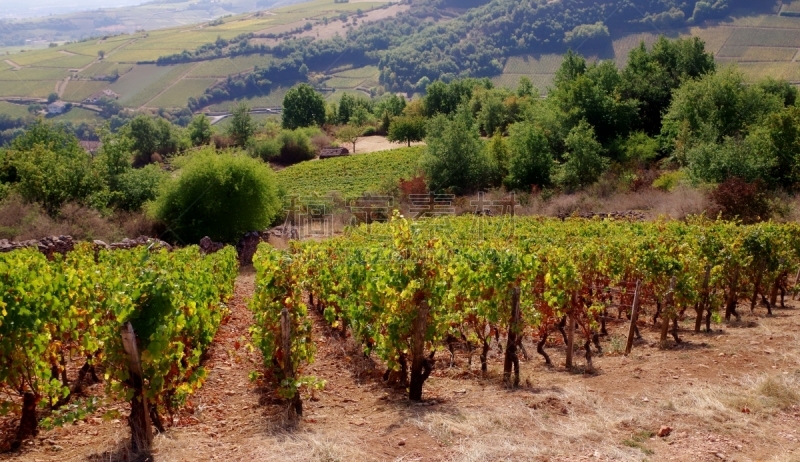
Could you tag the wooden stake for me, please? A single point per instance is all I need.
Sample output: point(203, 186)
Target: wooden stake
point(796, 280)
point(511, 359)
point(668, 303)
point(420, 368)
point(570, 334)
point(296, 409)
point(634, 317)
point(139, 420)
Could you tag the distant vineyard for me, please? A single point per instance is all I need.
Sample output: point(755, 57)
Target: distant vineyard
point(765, 38)
point(406, 290)
point(352, 175)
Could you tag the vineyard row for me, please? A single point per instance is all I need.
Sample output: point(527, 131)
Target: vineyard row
point(406, 290)
point(142, 318)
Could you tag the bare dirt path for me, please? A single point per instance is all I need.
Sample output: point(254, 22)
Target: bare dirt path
point(13, 64)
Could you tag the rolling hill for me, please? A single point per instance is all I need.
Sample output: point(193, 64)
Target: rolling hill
point(368, 47)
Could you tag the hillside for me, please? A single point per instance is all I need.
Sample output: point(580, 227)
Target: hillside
point(38, 23)
point(371, 47)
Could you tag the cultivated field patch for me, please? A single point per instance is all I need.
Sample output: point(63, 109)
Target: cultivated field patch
point(179, 94)
point(757, 53)
point(79, 90)
point(227, 66)
point(29, 88)
point(145, 81)
point(350, 176)
point(765, 37)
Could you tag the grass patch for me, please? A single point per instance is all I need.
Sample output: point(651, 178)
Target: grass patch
point(13, 110)
point(145, 82)
point(350, 176)
point(32, 88)
point(637, 441)
point(34, 73)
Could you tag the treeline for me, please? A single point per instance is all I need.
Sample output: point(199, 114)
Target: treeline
point(669, 109)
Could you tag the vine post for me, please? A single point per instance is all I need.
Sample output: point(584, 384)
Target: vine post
point(698, 323)
point(511, 359)
point(420, 368)
point(634, 318)
point(139, 420)
point(665, 316)
point(794, 288)
point(296, 407)
point(570, 333)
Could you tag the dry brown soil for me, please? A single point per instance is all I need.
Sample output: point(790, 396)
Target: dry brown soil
point(729, 395)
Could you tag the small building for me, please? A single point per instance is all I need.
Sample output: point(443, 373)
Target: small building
point(332, 151)
point(57, 107)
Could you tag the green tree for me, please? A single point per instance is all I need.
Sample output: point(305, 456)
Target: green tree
point(144, 134)
point(651, 77)
point(406, 129)
point(499, 154)
point(531, 161)
point(200, 130)
point(349, 134)
point(220, 196)
point(455, 159)
point(781, 88)
point(717, 106)
point(525, 87)
point(241, 128)
point(493, 115)
point(303, 107)
point(584, 162)
point(52, 98)
point(52, 169)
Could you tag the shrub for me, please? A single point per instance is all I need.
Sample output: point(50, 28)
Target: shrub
point(135, 187)
point(369, 131)
point(221, 196)
point(667, 181)
point(295, 147)
point(266, 149)
point(735, 198)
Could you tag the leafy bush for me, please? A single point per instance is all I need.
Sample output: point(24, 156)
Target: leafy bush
point(135, 187)
point(369, 131)
point(669, 180)
point(221, 196)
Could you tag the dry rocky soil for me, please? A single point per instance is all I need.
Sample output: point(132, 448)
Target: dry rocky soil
point(732, 394)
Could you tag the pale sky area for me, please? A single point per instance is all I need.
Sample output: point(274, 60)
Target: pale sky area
point(33, 8)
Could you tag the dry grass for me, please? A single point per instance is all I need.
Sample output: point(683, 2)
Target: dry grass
point(677, 204)
point(20, 221)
